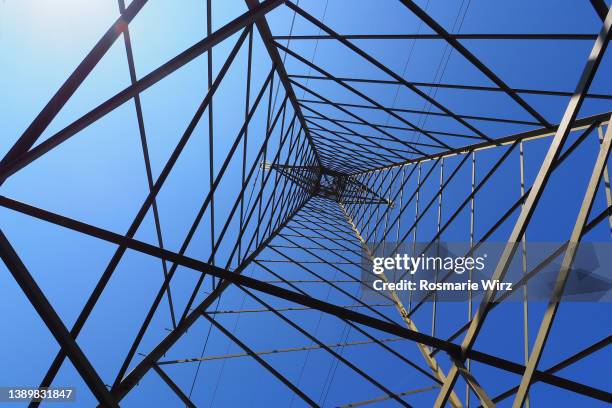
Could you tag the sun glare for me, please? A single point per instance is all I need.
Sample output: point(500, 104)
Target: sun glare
point(62, 15)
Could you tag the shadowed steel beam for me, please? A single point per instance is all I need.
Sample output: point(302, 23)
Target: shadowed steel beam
point(236, 278)
point(52, 108)
point(266, 36)
point(8, 168)
point(434, 25)
point(53, 322)
point(261, 361)
point(246, 132)
point(290, 309)
point(600, 8)
point(533, 198)
point(568, 259)
point(179, 393)
point(491, 36)
point(211, 125)
point(458, 86)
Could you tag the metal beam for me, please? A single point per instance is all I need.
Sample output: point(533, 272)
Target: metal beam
point(179, 393)
point(422, 112)
point(145, 151)
point(455, 86)
point(266, 36)
point(54, 323)
point(261, 361)
point(533, 198)
point(69, 87)
point(565, 363)
point(600, 8)
point(566, 265)
point(577, 124)
point(459, 36)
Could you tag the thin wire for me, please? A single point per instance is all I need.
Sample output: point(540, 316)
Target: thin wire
point(314, 53)
point(346, 331)
point(433, 92)
point(195, 376)
point(229, 345)
point(302, 369)
point(410, 52)
point(285, 56)
point(218, 301)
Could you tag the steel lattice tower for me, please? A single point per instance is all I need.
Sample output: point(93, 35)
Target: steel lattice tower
point(306, 186)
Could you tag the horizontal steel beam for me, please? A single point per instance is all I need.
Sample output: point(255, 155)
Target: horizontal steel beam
point(455, 86)
point(429, 113)
point(492, 36)
point(578, 124)
point(600, 8)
